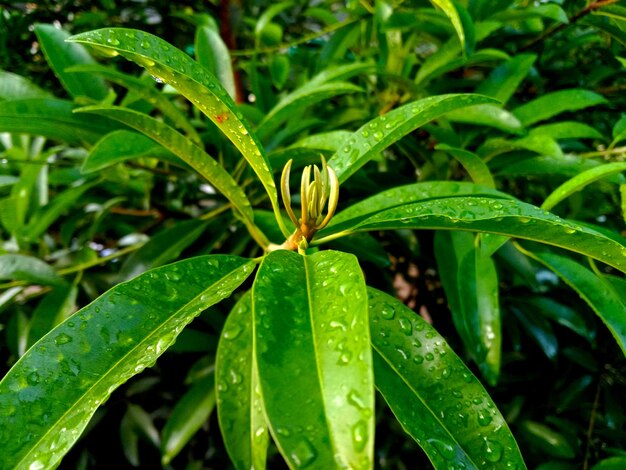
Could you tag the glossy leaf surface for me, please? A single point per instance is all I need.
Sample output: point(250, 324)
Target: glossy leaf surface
point(197, 84)
point(383, 131)
point(15, 87)
point(555, 103)
point(239, 402)
point(473, 164)
point(314, 358)
point(212, 53)
point(182, 147)
point(487, 214)
point(27, 268)
point(100, 347)
point(504, 79)
point(435, 397)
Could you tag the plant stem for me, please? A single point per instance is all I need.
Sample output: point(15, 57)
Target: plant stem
point(572, 20)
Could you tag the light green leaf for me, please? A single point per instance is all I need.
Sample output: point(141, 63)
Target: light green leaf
point(27, 268)
point(182, 147)
point(567, 130)
point(300, 99)
point(472, 163)
point(314, 358)
point(97, 349)
point(61, 55)
point(16, 87)
point(597, 292)
point(165, 247)
point(435, 397)
point(197, 84)
point(239, 402)
point(53, 119)
point(577, 183)
point(491, 215)
point(569, 165)
point(383, 131)
point(120, 146)
point(487, 115)
point(212, 54)
point(557, 102)
point(504, 80)
point(187, 417)
point(145, 90)
point(448, 7)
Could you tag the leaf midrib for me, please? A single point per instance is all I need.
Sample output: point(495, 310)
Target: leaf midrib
point(100, 380)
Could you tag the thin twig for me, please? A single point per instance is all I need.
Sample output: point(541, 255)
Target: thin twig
point(592, 421)
point(572, 20)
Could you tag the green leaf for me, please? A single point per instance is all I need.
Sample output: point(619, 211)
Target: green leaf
point(187, 417)
point(182, 147)
point(48, 214)
point(567, 130)
point(612, 463)
point(487, 115)
point(448, 7)
point(435, 397)
point(546, 440)
point(61, 55)
point(28, 268)
point(597, 292)
point(300, 99)
point(51, 310)
point(197, 84)
point(145, 90)
point(121, 146)
point(380, 133)
point(473, 164)
point(97, 349)
point(577, 183)
point(481, 214)
point(165, 247)
point(212, 54)
point(239, 402)
point(504, 80)
point(557, 102)
point(569, 165)
point(16, 87)
point(53, 119)
point(314, 358)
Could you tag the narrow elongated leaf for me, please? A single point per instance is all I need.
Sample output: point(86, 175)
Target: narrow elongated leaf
point(433, 394)
point(212, 54)
point(474, 165)
point(487, 115)
point(597, 292)
point(448, 7)
point(16, 87)
point(567, 130)
point(197, 84)
point(577, 183)
point(120, 146)
point(52, 118)
point(380, 133)
point(314, 358)
point(554, 103)
point(146, 91)
point(299, 99)
point(61, 55)
point(504, 79)
point(100, 347)
point(481, 214)
point(164, 247)
point(182, 147)
point(27, 268)
point(239, 402)
point(187, 417)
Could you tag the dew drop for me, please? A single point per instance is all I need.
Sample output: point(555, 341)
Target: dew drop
point(405, 326)
point(484, 418)
point(445, 449)
point(113, 42)
point(418, 359)
point(303, 453)
point(145, 44)
point(345, 358)
point(359, 435)
point(493, 450)
point(235, 378)
point(62, 339)
point(388, 311)
point(33, 378)
point(430, 356)
point(232, 332)
point(283, 432)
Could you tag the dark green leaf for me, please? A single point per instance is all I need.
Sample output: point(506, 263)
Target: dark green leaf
point(100, 347)
point(506, 78)
point(27, 268)
point(554, 103)
point(435, 397)
point(314, 358)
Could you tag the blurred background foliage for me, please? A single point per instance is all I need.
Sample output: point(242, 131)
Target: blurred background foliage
point(563, 378)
